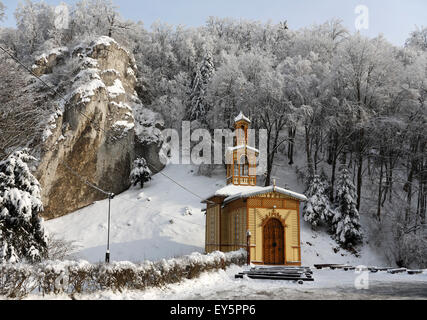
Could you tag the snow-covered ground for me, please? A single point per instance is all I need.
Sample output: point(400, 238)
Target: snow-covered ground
point(148, 224)
point(154, 223)
point(328, 284)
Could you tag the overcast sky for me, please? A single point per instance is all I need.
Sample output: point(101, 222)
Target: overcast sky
point(393, 18)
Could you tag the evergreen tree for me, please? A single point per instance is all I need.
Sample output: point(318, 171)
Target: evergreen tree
point(318, 207)
point(199, 107)
point(345, 223)
point(22, 236)
point(140, 173)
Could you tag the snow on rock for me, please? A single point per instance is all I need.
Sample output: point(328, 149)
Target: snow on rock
point(125, 125)
point(87, 62)
point(86, 83)
point(122, 105)
point(45, 62)
point(130, 72)
point(55, 51)
point(113, 71)
point(104, 40)
point(188, 212)
point(98, 96)
point(116, 89)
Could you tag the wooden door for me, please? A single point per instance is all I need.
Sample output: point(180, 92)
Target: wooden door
point(274, 243)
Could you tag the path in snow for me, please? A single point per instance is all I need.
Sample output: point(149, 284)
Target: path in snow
point(328, 284)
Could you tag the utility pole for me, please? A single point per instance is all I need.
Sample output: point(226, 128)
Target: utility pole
point(107, 255)
point(248, 246)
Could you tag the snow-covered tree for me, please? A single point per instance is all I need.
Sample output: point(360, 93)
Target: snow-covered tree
point(34, 22)
point(140, 173)
point(2, 9)
point(94, 17)
point(199, 106)
point(318, 208)
point(345, 223)
point(418, 39)
point(22, 236)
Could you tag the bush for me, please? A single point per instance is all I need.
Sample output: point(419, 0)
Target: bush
point(140, 173)
point(60, 249)
point(73, 277)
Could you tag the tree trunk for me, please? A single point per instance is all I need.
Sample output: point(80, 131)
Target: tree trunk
point(334, 169)
point(360, 168)
point(380, 192)
point(308, 152)
point(422, 194)
point(359, 180)
point(271, 155)
point(316, 151)
point(409, 184)
point(291, 135)
point(408, 189)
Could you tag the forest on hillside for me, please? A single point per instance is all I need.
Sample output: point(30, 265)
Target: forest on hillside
point(353, 108)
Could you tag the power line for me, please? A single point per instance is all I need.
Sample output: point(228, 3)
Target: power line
point(134, 202)
point(86, 181)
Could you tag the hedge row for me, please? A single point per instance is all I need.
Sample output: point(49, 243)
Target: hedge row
point(71, 277)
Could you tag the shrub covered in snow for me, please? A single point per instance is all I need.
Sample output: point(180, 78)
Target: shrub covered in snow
point(71, 277)
point(140, 173)
point(22, 236)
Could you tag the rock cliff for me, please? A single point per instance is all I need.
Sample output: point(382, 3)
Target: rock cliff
point(92, 133)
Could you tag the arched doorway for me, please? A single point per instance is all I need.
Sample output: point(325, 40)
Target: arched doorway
point(274, 242)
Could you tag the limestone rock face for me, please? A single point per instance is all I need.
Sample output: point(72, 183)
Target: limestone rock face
point(46, 62)
point(92, 133)
point(149, 128)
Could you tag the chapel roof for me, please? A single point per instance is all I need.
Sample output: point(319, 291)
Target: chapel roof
point(240, 117)
point(232, 192)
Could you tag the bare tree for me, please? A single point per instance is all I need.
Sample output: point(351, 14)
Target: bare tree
point(21, 119)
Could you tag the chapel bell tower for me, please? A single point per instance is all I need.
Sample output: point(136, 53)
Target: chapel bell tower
point(241, 158)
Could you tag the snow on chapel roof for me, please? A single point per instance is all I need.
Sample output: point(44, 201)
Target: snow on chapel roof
point(241, 116)
point(233, 192)
point(231, 149)
point(255, 191)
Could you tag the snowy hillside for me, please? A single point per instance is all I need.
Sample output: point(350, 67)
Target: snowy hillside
point(164, 221)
